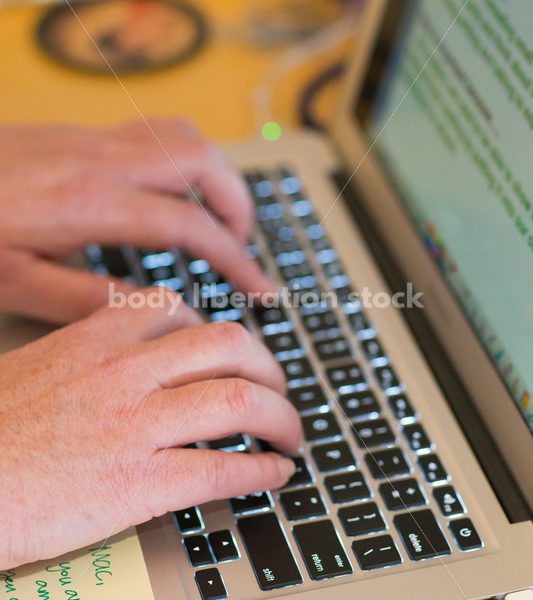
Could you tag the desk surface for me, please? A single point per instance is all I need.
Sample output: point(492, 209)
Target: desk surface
point(213, 88)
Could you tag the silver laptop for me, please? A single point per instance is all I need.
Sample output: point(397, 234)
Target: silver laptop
point(416, 480)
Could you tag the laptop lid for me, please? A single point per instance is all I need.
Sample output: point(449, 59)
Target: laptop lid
point(441, 94)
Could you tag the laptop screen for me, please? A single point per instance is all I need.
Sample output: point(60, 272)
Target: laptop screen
point(451, 119)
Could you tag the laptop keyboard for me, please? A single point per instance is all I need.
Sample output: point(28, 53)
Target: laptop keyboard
point(369, 482)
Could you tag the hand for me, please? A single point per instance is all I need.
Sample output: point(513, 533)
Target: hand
point(64, 187)
point(88, 412)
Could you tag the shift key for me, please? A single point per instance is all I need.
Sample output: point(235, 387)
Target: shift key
point(269, 552)
point(322, 550)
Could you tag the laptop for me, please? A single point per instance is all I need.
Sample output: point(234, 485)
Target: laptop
point(412, 373)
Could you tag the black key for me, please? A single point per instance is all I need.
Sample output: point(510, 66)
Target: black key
point(320, 244)
point(269, 316)
point(320, 322)
point(321, 426)
point(322, 550)
point(401, 407)
point(359, 322)
point(386, 378)
point(432, 468)
point(272, 560)
point(345, 379)
point(297, 368)
point(309, 396)
point(302, 504)
point(372, 349)
point(250, 503)
point(416, 437)
point(161, 273)
point(387, 463)
point(210, 584)
point(402, 494)
point(282, 342)
point(334, 456)
point(301, 476)
point(271, 227)
point(359, 404)
point(376, 552)
point(347, 487)
point(377, 432)
point(296, 271)
point(188, 519)
point(223, 545)
point(115, 262)
point(421, 535)
point(230, 442)
point(448, 500)
point(361, 519)
point(198, 550)
point(333, 269)
point(282, 246)
point(465, 534)
point(333, 349)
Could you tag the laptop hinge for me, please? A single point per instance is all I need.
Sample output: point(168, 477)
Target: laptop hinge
point(464, 409)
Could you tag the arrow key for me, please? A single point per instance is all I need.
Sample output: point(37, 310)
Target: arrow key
point(223, 545)
point(210, 584)
point(402, 494)
point(198, 550)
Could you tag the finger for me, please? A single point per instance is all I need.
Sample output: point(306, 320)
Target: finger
point(44, 290)
point(143, 315)
point(214, 350)
point(172, 156)
point(182, 478)
point(148, 219)
point(216, 409)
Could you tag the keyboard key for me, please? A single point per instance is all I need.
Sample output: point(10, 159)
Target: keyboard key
point(307, 397)
point(114, 261)
point(448, 501)
point(223, 545)
point(296, 271)
point(321, 426)
point(188, 520)
point(377, 432)
point(297, 368)
point(333, 349)
point(333, 269)
point(387, 463)
point(282, 342)
point(432, 468)
point(376, 552)
point(269, 316)
point(272, 560)
point(401, 407)
point(421, 535)
point(372, 349)
point(402, 494)
point(361, 519)
point(416, 437)
point(333, 457)
point(465, 534)
point(320, 322)
point(322, 550)
point(345, 379)
point(386, 377)
point(347, 487)
point(210, 584)
point(359, 322)
point(301, 476)
point(232, 442)
point(302, 504)
point(250, 503)
point(359, 404)
point(198, 550)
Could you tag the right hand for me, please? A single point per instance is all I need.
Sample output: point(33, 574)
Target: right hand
point(93, 419)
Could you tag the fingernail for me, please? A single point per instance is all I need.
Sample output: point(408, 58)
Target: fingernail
point(286, 467)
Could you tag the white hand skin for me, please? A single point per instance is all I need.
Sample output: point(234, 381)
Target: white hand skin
point(86, 415)
point(64, 187)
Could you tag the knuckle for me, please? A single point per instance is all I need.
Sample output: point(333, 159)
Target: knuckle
point(218, 473)
point(239, 396)
point(234, 335)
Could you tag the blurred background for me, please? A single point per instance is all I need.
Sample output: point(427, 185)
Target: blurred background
point(229, 65)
